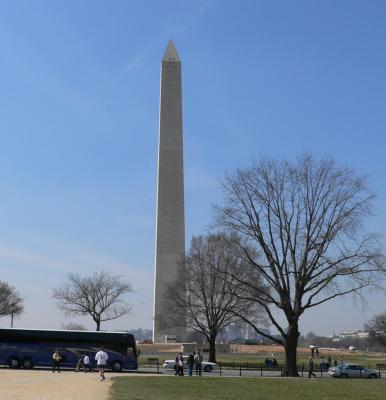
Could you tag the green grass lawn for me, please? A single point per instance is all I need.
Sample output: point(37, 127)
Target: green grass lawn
point(209, 388)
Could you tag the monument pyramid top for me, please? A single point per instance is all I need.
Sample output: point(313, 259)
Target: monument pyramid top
point(171, 52)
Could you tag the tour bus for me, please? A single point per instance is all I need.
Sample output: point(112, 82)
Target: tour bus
point(28, 348)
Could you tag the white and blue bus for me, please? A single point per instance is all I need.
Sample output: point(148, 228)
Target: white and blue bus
point(28, 348)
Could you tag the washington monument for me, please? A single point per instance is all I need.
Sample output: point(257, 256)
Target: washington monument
point(170, 236)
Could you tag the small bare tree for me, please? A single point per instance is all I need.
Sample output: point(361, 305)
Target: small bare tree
point(99, 295)
point(213, 300)
point(11, 304)
point(306, 219)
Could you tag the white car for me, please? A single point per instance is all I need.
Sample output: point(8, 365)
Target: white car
point(352, 371)
point(205, 365)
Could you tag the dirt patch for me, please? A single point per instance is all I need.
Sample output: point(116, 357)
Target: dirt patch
point(160, 348)
point(45, 385)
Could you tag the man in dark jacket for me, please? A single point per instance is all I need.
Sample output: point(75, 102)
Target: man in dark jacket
point(311, 368)
point(191, 363)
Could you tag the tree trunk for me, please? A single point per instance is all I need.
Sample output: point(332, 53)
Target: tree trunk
point(291, 346)
point(212, 349)
point(98, 325)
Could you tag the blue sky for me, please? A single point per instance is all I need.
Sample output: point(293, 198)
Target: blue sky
point(79, 98)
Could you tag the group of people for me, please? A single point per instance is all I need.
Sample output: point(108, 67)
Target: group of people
point(101, 358)
point(193, 362)
point(325, 364)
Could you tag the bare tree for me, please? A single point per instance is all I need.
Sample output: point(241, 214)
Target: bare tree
point(212, 300)
point(11, 304)
point(100, 295)
point(306, 219)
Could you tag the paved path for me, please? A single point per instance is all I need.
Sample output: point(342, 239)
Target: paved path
point(45, 385)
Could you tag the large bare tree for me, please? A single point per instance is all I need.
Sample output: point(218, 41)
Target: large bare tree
point(306, 220)
point(213, 300)
point(11, 303)
point(100, 295)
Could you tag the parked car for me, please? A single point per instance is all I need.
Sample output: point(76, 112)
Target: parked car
point(205, 365)
point(352, 371)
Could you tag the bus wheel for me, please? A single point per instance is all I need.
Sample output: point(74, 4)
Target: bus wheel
point(14, 362)
point(27, 363)
point(116, 366)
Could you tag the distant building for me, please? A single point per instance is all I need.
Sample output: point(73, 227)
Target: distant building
point(354, 335)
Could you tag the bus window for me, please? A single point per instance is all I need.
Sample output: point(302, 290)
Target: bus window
point(130, 351)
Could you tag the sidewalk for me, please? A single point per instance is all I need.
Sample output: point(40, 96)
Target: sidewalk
point(45, 385)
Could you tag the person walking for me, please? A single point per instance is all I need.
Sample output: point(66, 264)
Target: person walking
point(311, 368)
point(86, 363)
point(80, 363)
point(191, 362)
point(179, 365)
point(101, 358)
point(56, 358)
point(198, 362)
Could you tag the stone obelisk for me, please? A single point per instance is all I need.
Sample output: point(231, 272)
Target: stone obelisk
point(170, 236)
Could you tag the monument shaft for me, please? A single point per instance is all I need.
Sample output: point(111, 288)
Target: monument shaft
point(170, 235)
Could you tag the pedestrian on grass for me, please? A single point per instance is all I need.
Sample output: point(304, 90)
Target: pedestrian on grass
point(311, 368)
point(198, 362)
point(179, 365)
point(191, 362)
point(101, 358)
point(56, 358)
